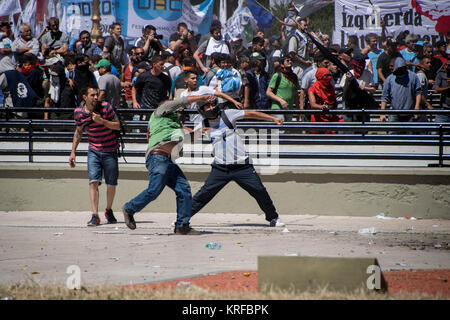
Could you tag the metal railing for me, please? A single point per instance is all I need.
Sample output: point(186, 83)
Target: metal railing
point(294, 133)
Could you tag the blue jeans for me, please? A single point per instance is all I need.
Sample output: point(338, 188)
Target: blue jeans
point(163, 172)
point(103, 161)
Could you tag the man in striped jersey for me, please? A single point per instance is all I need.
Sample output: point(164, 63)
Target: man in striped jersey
point(99, 120)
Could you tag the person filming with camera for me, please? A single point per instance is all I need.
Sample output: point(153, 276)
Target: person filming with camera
point(150, 42)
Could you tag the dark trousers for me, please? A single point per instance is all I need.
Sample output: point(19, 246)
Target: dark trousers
point(245, 176)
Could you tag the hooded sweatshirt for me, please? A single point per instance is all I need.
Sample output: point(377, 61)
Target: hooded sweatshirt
point(401, 91)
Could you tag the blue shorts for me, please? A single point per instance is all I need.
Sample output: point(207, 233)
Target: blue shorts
point(103, 161)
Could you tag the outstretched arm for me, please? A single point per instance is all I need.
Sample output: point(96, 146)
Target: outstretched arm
point(262, 116)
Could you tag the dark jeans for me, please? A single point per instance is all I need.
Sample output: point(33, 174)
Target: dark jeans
point(163, 172)
point(245, 176)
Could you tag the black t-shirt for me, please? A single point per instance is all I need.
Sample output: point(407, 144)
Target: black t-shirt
point(383, 63)
point(152, 90)
point(174, 37)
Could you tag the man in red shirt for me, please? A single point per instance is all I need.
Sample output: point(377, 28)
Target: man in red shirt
point(99, 121)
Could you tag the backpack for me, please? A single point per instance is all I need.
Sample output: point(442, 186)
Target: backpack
point(203, 57)
point(207, 77)
point(167, 71)
point(285, 47)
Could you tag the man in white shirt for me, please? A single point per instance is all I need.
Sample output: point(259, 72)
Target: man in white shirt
point(191, 79)
point(25, 44)
point(231, 160)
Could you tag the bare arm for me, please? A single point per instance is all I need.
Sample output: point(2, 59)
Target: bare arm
point(76, 140)
point(113, 124)
point(274, 97)
point(227, 97)
point(262, 116)
point(199, 61)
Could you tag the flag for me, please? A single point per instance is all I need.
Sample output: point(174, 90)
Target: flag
point(262, 15)
point(308, 7)
point(9, 7)
point(241, 25)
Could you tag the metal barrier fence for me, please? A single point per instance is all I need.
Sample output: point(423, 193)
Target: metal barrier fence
point(294, 133)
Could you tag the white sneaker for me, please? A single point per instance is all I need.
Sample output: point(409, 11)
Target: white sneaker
point(173, 223)
point(276, 223)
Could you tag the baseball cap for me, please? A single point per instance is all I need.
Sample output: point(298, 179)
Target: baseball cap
point(143, 65)
point(103, 63)
point(411, 38)
point(5, 23)
point(256, 56)
point(347, 50)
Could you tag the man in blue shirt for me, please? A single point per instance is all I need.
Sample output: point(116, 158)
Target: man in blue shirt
point(409, 53)
point(374, 53)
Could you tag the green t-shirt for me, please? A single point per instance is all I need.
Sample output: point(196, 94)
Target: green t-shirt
point(286, 91)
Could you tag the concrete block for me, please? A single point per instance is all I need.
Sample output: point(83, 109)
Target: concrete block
point(310, 273)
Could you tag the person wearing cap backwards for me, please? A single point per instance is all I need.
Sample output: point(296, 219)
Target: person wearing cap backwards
point(409, 54)
point(402, 91)
point(231, 160)
point(165, 133)
point(109, 84)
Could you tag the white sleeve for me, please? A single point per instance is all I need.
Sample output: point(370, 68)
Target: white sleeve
point(234, 115)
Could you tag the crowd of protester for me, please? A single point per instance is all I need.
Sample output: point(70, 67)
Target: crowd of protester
point(279, 72)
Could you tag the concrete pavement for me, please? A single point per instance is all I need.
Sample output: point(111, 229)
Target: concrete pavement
point(40, 246)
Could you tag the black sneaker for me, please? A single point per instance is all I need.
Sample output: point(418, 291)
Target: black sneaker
point(110, 216)
point(95, 221)
point(186, 231)
point(129, 219)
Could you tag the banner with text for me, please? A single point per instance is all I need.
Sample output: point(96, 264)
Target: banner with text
point(164, 15)
point(425, 18)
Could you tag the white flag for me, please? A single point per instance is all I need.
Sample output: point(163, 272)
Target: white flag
point(9, 7)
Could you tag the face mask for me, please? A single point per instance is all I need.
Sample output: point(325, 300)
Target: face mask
point(211, 113)
point(400, 72)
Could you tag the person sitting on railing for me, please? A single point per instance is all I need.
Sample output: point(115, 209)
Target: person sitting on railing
point(321, 96)
point(442, 86)
point(403, 91)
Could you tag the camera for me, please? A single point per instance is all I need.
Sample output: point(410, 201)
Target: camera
point(159, 36)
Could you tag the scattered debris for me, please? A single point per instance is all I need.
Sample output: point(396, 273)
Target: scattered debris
point(58, 233)
point(382, 216)
point(410, 218)
point(238, 242)
point(402, 264)
point(372, 243)
point(108, 232)
point(213, 245)
point(410, 228)
point(35, 272)
point(246, 274)
point(437, 245)
point(285, 230)
point(291, 254)
point(115, 259)
point(371, 230)
point(435, 225)
point(334, 233)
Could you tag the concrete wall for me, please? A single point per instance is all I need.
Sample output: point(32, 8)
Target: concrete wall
point(418, 192)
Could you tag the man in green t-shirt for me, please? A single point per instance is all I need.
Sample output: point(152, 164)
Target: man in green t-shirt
point(166, 132)
point(283, 89)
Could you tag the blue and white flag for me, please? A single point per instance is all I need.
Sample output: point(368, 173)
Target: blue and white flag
point(262, 15)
